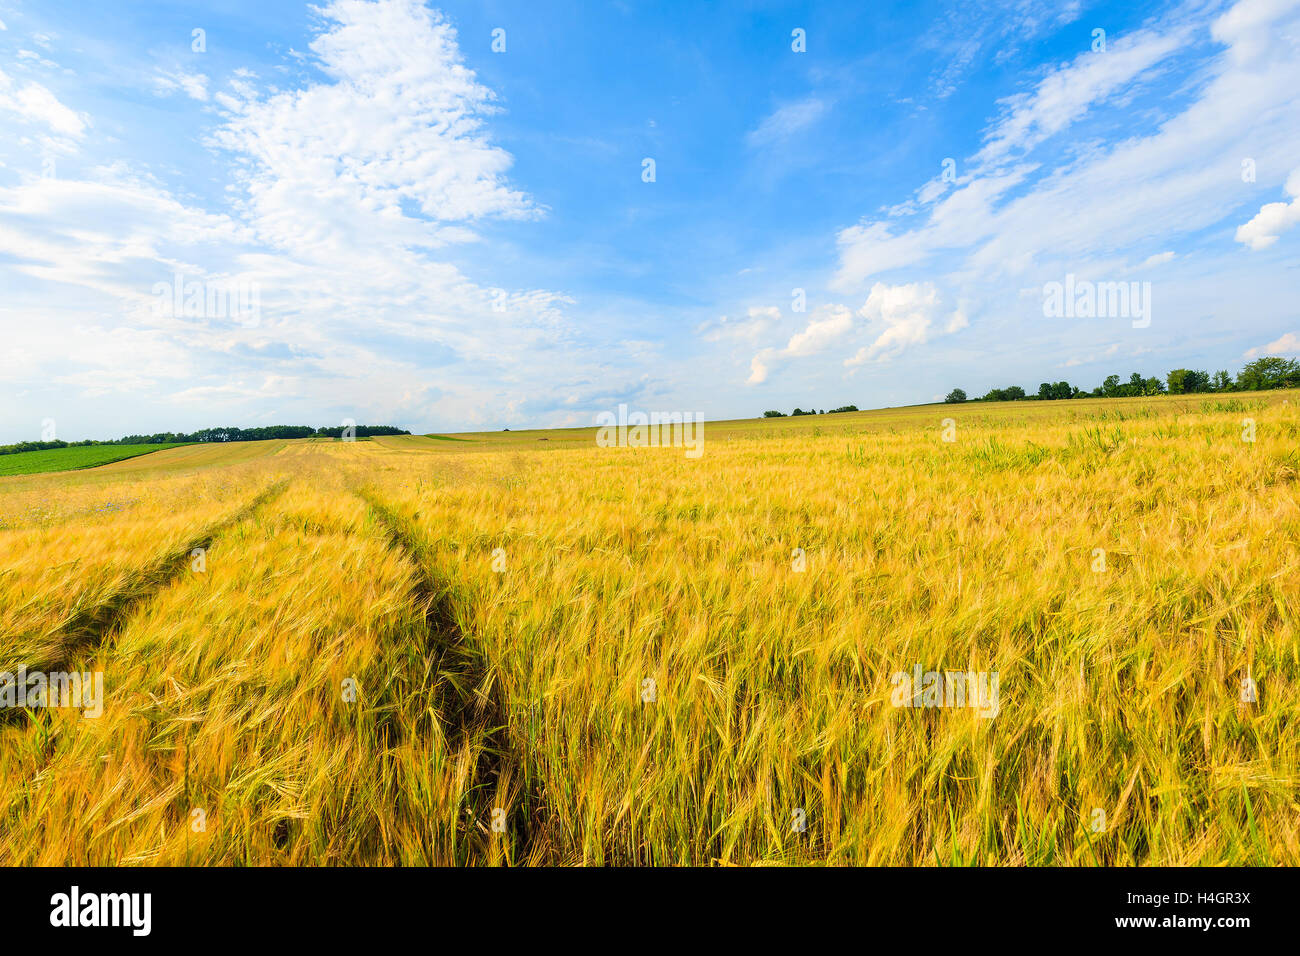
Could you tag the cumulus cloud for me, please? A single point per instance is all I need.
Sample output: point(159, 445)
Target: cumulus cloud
point(36, 105)
point(347, 186)
point(1273, 219)
point(827, 325)
point(820, 333)
point(894, 318)
point(400, 121)
point(901, 316)
point(1288, 344)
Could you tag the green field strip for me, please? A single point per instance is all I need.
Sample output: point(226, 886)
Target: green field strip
point(74, 459)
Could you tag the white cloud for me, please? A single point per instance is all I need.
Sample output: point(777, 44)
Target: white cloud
point(1175, 179)
point(932, 190)
point(1069, 92)
point(348, 183)
point(36, 105)
point(749, 327)
point(827, 325)
point(895, 317)
point(901, 316)
point(820, 333)
point(1273, 219)
point(1110, 352)
point(1288, 344)
point(975, 33)
point(964, 217)
point(1251, 31)
point(401, 121)
point(786, 121)
point(193, 85)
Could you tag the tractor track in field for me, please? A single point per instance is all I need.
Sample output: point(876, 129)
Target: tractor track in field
point(94, 625)
point(476, 707)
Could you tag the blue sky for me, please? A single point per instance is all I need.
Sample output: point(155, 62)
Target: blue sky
point(444, 236)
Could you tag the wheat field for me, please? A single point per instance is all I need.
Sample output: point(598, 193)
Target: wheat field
point(529, 649)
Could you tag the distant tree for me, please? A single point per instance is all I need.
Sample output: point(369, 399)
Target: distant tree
point(32, 446)
point(360, 431)
point(1221, 382)
point(956, 395)
point(1044, 391)
point(1272, 371)
point(1110, 387)
point(1184, 381)
point(1012, 393)
point(774, 414)
point(233, 434)
point(1153, 386)
point(844, 408)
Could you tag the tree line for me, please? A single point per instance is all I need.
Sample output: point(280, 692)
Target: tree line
point(229, 434)
point(811, 411)
point(1261, 374)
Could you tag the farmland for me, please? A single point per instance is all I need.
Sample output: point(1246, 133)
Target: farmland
point(500, 649)
point(69, 459)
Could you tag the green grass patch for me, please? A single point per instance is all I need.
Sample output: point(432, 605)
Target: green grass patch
point(73, 459)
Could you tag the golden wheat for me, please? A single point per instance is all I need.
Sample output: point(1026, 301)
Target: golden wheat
point(574, 654)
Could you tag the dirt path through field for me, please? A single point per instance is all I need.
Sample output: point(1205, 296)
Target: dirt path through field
point(90, 627)
point(473, 709)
